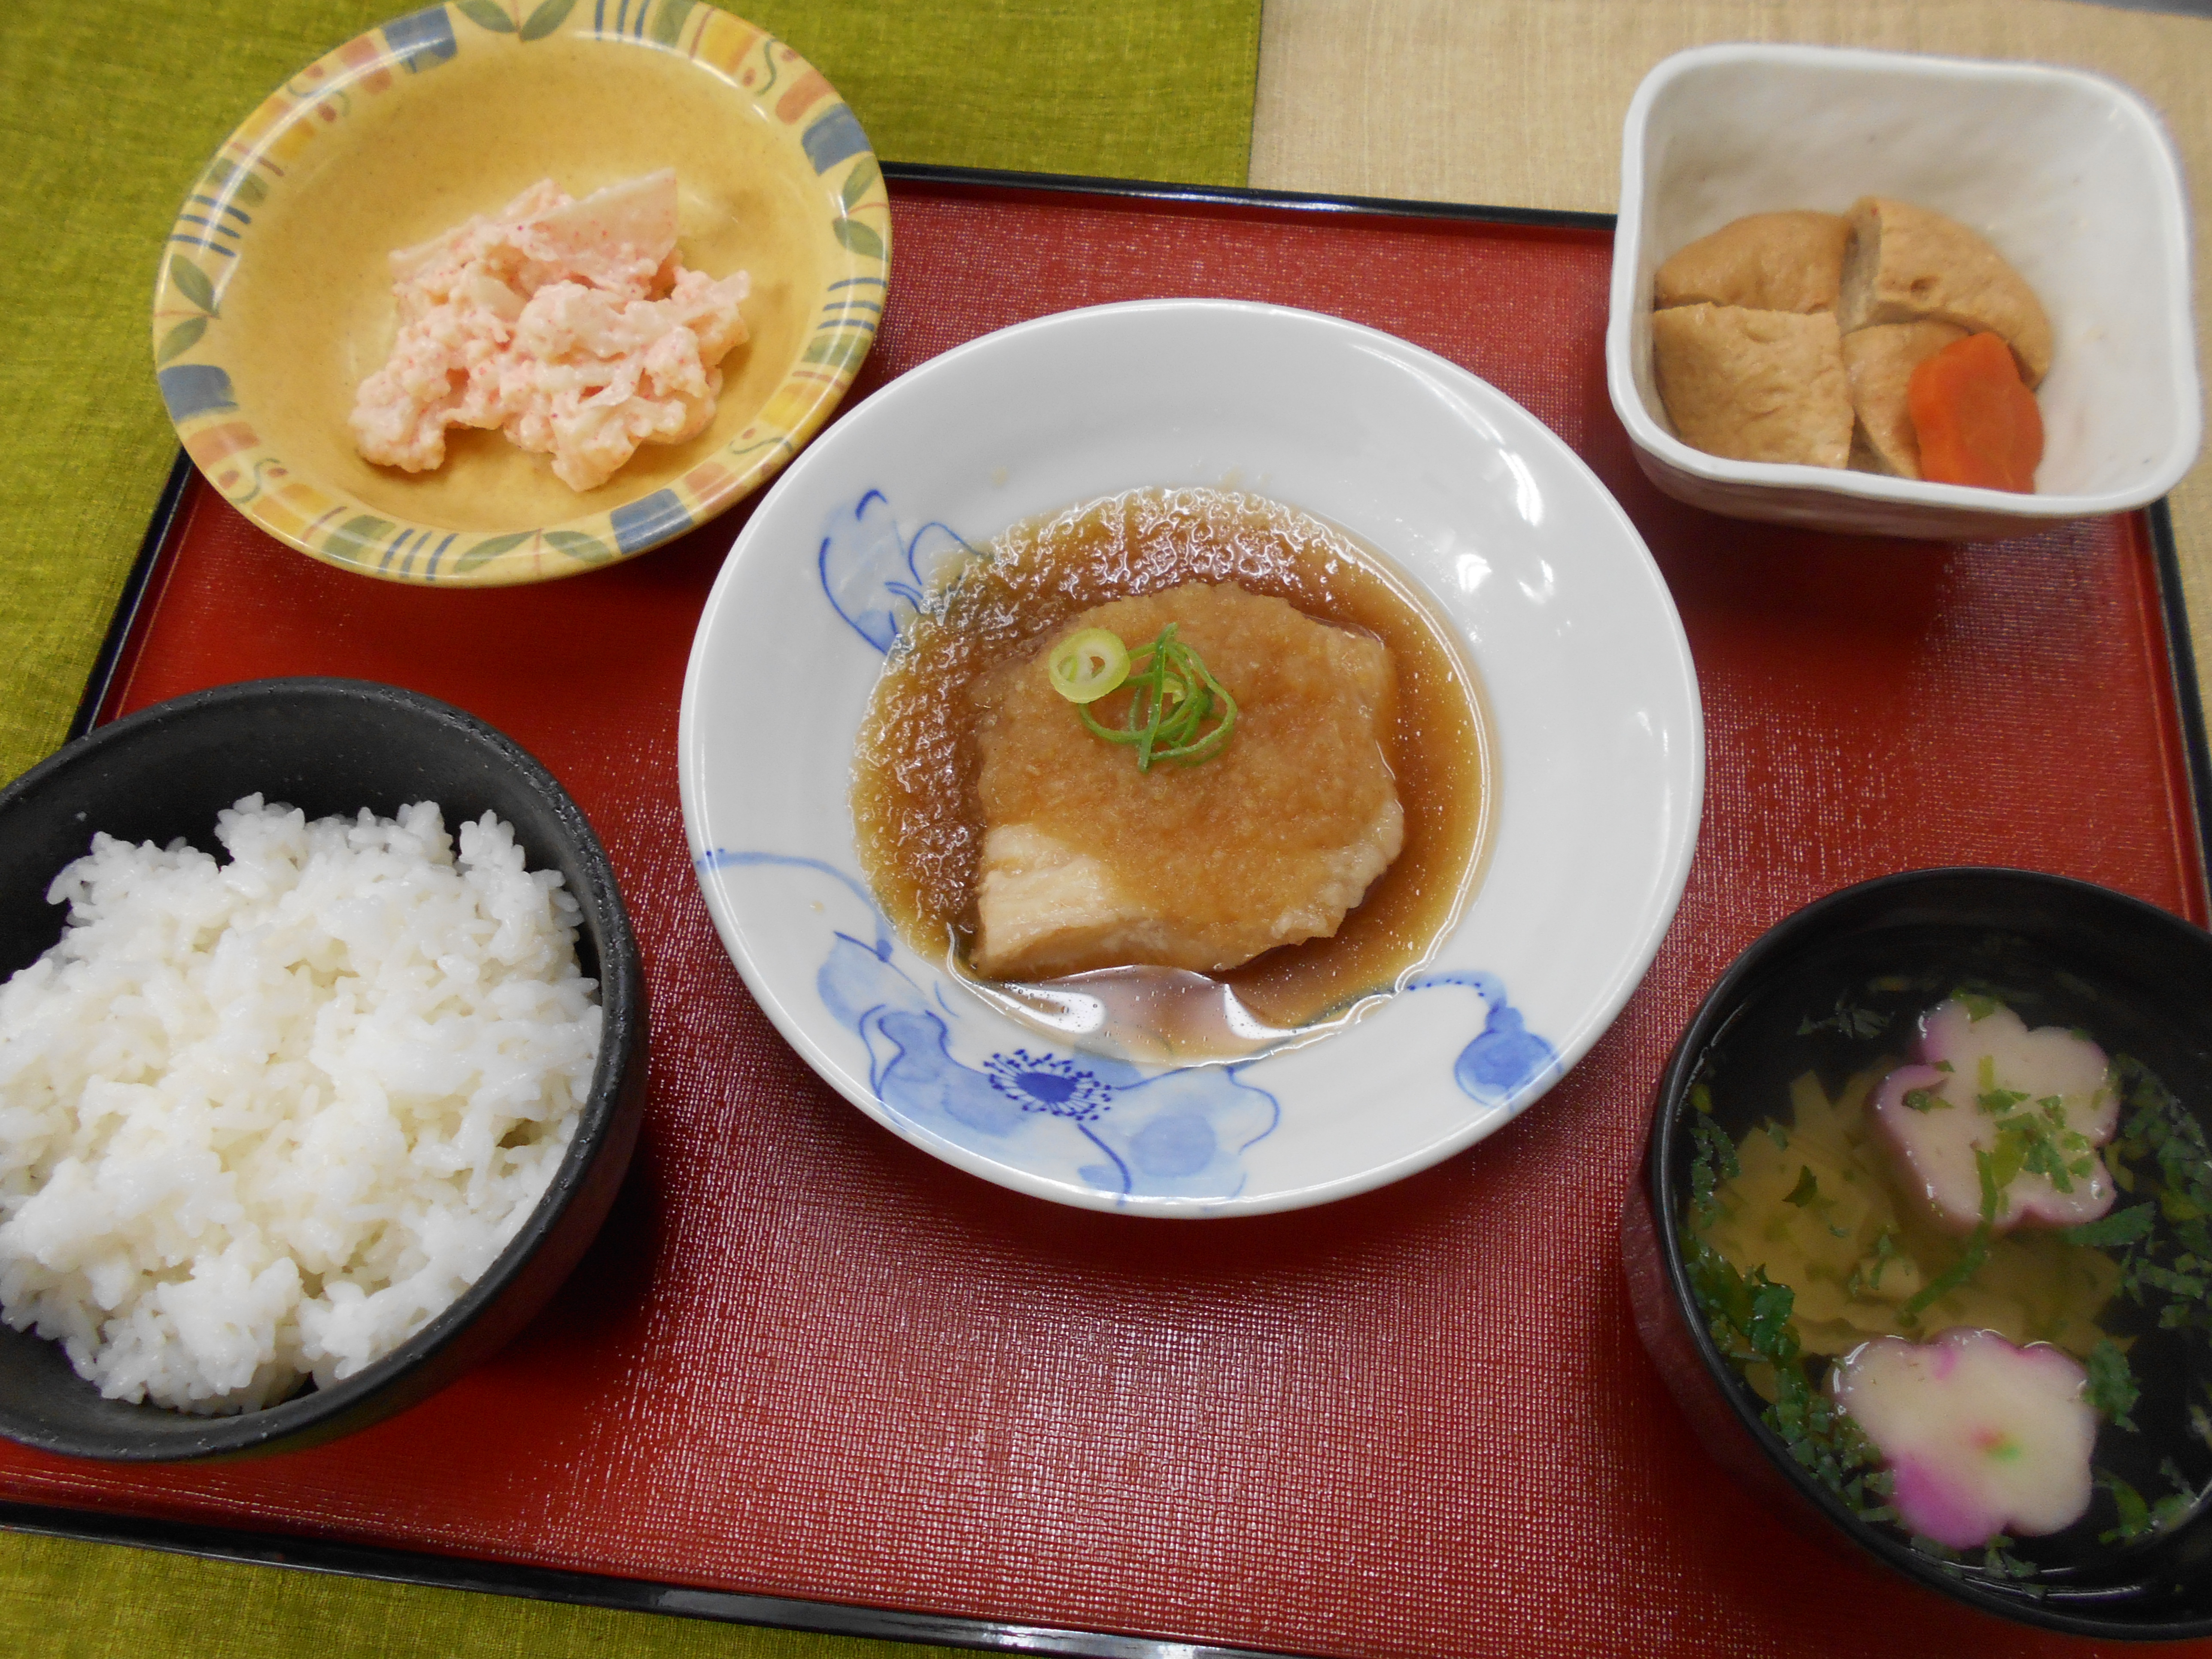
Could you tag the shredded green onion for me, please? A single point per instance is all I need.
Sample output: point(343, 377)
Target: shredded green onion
point(1978, 1244)
point(1085, 666)
point(1171, 698)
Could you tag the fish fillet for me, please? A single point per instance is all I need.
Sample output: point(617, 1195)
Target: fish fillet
point(1089, 863)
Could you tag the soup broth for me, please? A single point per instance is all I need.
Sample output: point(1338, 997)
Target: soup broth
point(1776, 1193)
point(919, 825)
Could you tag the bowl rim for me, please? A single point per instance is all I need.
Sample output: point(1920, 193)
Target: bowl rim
point(622, 1000)
point(1626, 297)
point(330, 524)
point(1651, 1186)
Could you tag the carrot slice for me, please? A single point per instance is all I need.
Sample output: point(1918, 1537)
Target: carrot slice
point(1977, 422)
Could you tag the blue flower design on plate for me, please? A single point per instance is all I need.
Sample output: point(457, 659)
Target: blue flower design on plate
point(1048, 1082)
point(1506, 1060)
point(874, 572)
point(1081, 1118)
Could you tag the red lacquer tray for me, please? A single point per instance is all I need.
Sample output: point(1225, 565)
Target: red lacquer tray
point(807, 1361)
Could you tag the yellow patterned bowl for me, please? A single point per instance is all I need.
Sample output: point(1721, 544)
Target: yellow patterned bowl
point(275, 298)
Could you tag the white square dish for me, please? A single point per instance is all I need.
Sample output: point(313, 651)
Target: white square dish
point(2068, 174)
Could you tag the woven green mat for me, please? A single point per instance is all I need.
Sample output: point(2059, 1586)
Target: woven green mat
point(60, 1599)
point(108, 111)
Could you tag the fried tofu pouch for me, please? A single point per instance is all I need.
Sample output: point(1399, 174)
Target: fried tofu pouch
point(1754, 385)
point(1766, 262)
point(1907, 264)
point(1879, 363)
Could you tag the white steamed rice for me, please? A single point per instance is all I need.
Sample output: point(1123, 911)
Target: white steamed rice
point(267, 1119)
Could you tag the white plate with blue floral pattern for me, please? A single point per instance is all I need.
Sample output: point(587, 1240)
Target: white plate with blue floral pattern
point(1598, 745)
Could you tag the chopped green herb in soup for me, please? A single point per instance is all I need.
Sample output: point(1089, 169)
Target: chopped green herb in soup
point(1963, 1255)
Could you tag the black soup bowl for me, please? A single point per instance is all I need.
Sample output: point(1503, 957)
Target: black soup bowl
point(1836, 989)
point(326, 746)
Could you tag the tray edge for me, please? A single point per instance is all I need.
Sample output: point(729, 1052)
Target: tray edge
point(836, 1619)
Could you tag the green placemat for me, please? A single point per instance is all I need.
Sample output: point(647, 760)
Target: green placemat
point(109, 110)
point(60, 1599)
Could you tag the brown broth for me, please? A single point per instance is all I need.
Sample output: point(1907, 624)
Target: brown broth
point(920, 830)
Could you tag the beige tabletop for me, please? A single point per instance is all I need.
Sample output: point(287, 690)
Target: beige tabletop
point(1519, 103)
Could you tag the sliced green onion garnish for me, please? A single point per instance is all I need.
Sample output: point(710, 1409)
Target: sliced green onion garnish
point(1171, 698)
point(1085, 666)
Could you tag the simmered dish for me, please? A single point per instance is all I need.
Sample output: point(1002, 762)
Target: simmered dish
point(1891, 339)
point(1303, 840)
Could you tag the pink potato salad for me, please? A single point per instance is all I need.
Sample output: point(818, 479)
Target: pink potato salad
point(571, 325)
point(1999, 1123)
point(1981, 1438)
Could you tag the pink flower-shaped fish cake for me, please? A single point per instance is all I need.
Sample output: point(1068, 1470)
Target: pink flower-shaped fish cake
point(1980, 1437)
point(1983, 1082)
